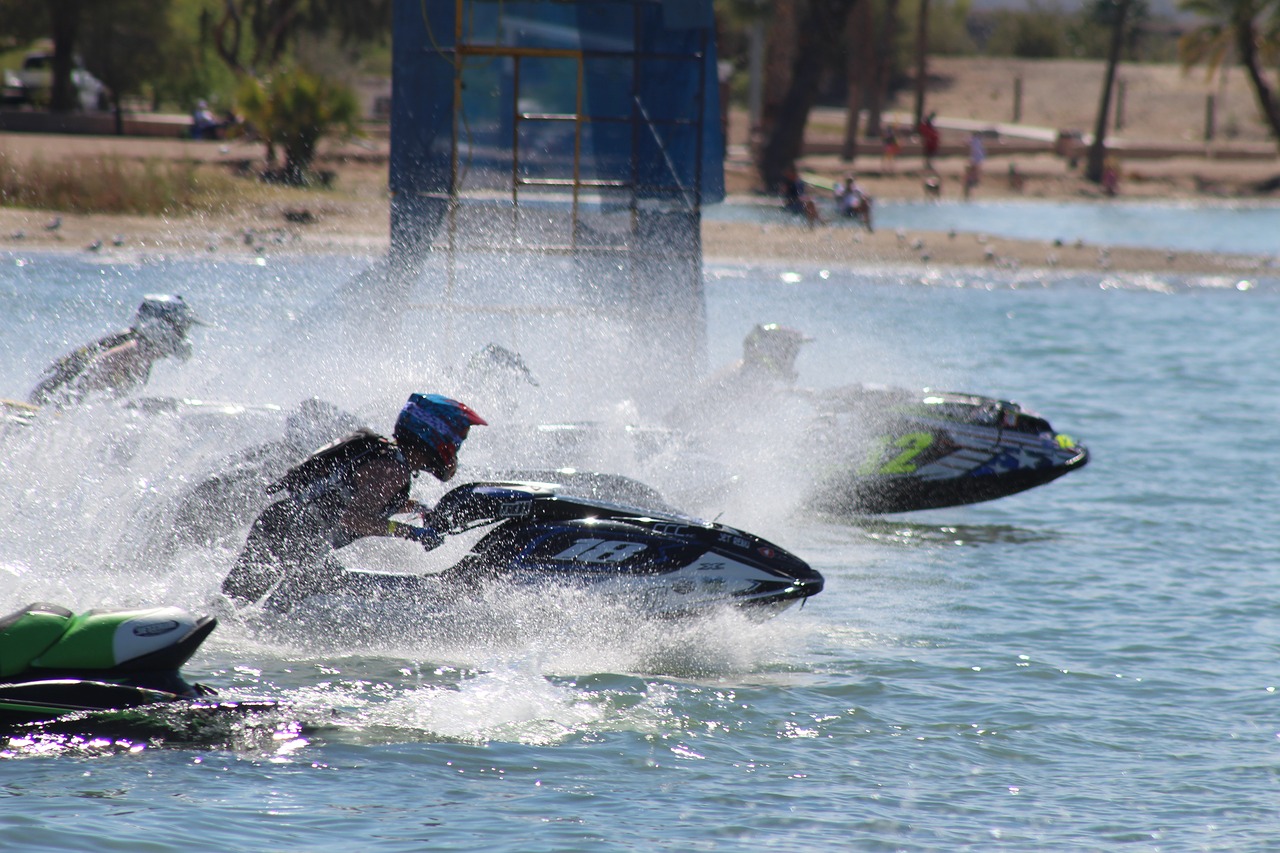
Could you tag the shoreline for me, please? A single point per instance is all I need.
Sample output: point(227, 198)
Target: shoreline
point(360, 229)
point(354, 216)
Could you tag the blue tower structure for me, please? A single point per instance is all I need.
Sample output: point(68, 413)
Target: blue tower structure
point(570, 140)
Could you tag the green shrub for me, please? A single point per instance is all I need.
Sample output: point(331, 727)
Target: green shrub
point(294, 110)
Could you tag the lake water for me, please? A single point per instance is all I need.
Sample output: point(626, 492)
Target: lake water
point(1233, 227)
point(1089, 665)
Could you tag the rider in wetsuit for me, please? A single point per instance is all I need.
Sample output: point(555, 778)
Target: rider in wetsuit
point(344, 492)
point(766, 370)
point(120, 362)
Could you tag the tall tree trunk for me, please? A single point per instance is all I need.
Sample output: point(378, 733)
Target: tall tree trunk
point(1246, 44)
point(1098, 147)
point(922, 58)
point(65, 18)
point(860, 75)
point(821, 26)
point(885, 56)
point(779, 56)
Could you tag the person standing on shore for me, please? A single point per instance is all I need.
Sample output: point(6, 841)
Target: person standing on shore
point(973, 170)
point(930, 139)
point(892, 148)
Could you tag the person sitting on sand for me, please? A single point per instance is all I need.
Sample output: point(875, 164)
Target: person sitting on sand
point(797, 199)
point(120, 362)
point(853, 201)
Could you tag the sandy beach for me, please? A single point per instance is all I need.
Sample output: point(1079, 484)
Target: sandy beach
point(350, 222)
point(353, 216)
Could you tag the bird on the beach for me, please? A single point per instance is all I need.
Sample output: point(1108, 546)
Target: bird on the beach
point(117, 240)
point(94, 246)
point(917, 244)
point(989, 253)
point(53, 224)
point(952, 233)
point(18, 235)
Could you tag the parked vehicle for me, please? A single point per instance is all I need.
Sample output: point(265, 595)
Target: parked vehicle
point(36, 80)
point(12, 92)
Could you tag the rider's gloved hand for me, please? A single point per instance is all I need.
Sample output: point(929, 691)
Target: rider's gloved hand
point(425, 535)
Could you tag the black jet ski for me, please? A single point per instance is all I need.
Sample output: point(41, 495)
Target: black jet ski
point(890, 450)
point(55, 663)
point(532, 534)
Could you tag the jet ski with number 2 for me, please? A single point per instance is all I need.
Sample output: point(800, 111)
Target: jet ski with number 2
point(891, 450)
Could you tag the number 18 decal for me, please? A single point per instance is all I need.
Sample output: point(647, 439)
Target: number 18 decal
point(600, 551)
point(911, 445)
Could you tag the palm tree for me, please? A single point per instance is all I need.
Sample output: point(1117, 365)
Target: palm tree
point(1098, 148)
point(922, 58)
point(820, 27)
point(1249, 27)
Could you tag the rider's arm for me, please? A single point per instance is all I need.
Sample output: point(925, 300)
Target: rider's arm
point(118, 369)
point(382, 487)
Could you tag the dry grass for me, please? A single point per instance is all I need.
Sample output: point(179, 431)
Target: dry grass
point(113, 184)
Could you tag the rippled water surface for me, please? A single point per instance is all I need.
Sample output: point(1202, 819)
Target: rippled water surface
point(1091, 664)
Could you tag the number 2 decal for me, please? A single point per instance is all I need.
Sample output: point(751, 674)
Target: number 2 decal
point(911, 445)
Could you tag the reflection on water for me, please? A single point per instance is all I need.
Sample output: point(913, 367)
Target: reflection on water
point(259, 727)
point(903, 532)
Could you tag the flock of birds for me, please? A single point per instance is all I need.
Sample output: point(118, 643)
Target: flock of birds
point(253, 238)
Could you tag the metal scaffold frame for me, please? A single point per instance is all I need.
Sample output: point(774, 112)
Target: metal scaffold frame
point(581, 134)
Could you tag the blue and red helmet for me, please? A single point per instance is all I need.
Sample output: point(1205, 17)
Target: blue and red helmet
point(438, 425)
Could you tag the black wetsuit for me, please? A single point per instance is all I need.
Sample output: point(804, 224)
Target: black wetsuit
point(289, 552)
point(59, 384)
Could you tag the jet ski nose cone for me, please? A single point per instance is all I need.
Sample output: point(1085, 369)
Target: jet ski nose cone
point(807, 583)
point(1081, 459)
